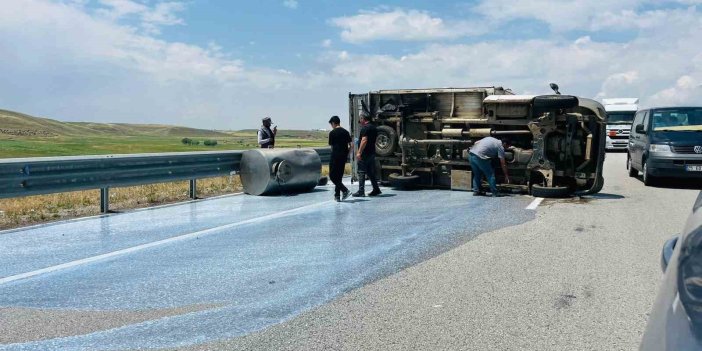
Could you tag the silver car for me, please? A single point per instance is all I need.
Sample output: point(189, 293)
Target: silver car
point(675, 322)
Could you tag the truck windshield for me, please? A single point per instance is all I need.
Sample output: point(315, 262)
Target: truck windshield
point(678, 119)
point(620, 117)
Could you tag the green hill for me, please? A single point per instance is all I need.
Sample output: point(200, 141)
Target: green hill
point(19, 124)
point(28, 136)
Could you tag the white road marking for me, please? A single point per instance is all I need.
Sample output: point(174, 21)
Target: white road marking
point(534, 204)
point(129, 250)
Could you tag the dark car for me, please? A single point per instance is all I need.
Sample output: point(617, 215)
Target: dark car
point(666, 142)
point(675, 322)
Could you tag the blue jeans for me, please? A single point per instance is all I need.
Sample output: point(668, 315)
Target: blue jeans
point(481, 167)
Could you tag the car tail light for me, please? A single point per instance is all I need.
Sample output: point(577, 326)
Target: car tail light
point(690, 277)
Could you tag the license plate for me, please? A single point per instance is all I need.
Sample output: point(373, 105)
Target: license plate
point(693, 168)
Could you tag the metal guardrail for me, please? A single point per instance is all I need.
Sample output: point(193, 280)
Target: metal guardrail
point(48, 175)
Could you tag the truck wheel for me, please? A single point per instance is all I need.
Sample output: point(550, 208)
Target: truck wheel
point(403, 182)
point(550, 192)
point(632, 171)
point(648, 179)
point(597, 187)
point(386, 142)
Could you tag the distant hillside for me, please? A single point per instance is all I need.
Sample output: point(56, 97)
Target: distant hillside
point(18, 124)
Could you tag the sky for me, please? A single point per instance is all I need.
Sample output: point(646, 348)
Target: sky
point(226, 64)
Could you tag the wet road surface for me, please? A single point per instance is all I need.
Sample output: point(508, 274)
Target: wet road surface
point(216, 269)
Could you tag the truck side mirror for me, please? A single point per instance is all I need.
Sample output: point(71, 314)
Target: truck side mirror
point(640, 129)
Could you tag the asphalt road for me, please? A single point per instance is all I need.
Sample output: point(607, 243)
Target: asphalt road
point(218, 269)
point(581, 276)
point(411, 270)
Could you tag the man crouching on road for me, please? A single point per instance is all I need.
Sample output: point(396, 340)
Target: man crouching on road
point(481, 155)
point(340, 141)
point(366, 157)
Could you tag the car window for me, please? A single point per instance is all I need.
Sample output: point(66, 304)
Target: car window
point(677, 119)
point(637, 120)
point(645, 121)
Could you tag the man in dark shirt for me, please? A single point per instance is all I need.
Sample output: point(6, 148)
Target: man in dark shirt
point(340, 141)
point(366, 157)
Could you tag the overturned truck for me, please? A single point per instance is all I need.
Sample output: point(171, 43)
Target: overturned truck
point(424, 136)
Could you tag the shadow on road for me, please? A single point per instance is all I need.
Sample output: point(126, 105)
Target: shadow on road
point(607, 196)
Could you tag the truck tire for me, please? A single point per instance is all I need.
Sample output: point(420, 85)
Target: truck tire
point(632, 171)
point(597, 187)
point(550, 192)
point(403, 182)
point(386, 142)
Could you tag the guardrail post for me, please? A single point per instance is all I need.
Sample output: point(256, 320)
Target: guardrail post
point(193, 189)
point(104, 200)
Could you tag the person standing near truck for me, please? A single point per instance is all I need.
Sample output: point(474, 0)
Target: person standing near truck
point(266, 135)
point(340, 142)
point(366, 157)
point(481, 155)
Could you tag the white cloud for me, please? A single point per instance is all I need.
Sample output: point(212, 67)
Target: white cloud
point(151, 18)
point(661, 55)
point(291, 4)
point(401, 24)
point(560, 15)
point(686, 89)
point(64, 60)
point(97, 69)
point(326, 43)
point(617, 84)
point(581, 14)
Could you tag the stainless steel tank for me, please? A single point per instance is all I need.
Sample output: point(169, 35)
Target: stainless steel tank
point(276, 171)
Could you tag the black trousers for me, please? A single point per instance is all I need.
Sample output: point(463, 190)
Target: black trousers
point(366, 168)
point(336, 173)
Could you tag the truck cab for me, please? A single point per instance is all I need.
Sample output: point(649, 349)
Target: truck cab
point(620, 115)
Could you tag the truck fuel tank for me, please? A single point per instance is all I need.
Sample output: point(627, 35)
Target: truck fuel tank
point(276, 171)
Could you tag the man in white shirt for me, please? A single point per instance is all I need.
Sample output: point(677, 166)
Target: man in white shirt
point(481, 155)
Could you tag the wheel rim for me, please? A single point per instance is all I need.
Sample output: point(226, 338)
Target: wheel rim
point(382, 142)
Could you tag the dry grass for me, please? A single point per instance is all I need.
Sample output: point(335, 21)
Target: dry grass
point(42, 208)
point(23, 211)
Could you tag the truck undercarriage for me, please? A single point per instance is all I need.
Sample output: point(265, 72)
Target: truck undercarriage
point(424, 137)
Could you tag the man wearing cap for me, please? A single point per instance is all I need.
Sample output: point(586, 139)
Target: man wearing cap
point(266, 135)
point(481, 155)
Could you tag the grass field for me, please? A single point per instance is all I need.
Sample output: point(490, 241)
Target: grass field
point(27, 136)
point(19, 146)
